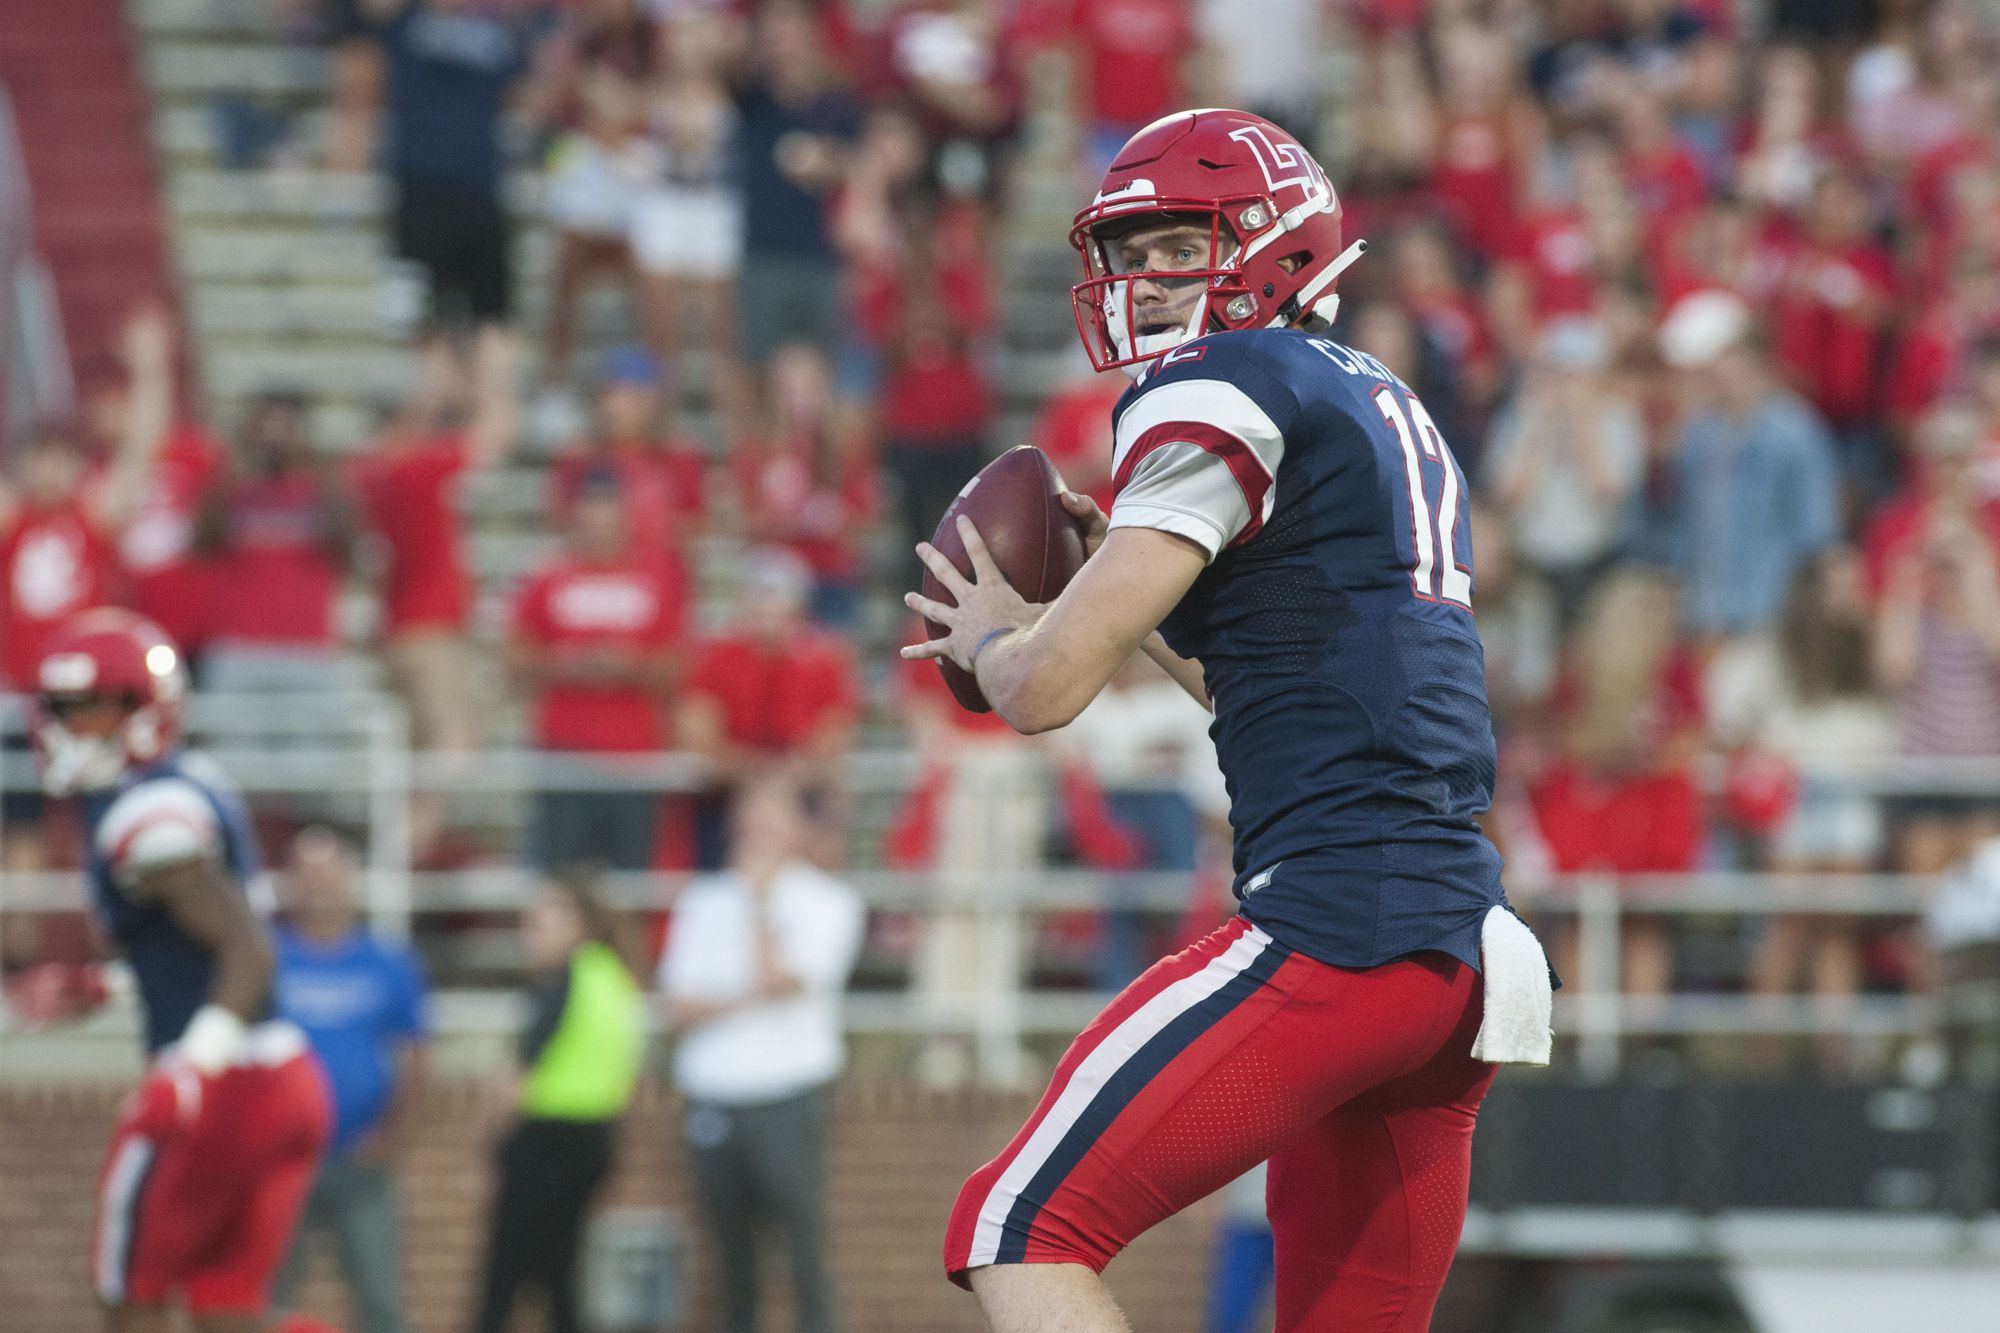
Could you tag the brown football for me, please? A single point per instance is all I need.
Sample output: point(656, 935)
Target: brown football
point(1016, 503)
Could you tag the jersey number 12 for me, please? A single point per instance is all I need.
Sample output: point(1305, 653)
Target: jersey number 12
point(1437, 576)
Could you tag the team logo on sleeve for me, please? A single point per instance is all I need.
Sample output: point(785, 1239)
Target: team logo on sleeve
point(1282, 164)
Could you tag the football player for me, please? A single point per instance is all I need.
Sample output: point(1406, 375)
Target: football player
point(1289, 538)
point(213, 1153)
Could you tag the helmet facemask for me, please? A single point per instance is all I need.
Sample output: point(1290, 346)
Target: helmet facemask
point(78, 760)
point(1183, 273)
point(1111, 318)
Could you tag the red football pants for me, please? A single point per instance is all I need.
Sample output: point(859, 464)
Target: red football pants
point(203, 1215)
point(1357, 1085)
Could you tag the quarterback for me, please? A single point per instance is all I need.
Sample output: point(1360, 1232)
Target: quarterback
point(1289, 538)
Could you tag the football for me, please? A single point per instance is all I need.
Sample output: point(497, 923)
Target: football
point(1016, 503)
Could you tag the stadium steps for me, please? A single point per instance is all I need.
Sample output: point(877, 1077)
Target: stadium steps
point(254, 67)
point(240, 19)
point(73, 77)
point(188, 134)
point(286, 270)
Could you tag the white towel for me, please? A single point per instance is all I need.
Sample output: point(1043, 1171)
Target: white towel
point(1519, 999)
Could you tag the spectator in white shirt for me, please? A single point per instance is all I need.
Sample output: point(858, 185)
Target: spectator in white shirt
point(752, 975)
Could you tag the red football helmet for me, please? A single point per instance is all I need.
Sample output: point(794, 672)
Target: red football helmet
point(107, 656)
point(1273, 222)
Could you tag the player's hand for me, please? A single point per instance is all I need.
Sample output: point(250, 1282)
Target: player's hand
point(146, 343)
point(986, 602)
point(168, 1099)
point(1095, 525)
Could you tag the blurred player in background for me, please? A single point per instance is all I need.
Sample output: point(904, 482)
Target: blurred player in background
point(61, 522)
point(213, 1153)
point(1289, 539)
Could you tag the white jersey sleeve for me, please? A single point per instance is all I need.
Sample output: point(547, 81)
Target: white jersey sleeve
point(1197, 458)
point(159, 823)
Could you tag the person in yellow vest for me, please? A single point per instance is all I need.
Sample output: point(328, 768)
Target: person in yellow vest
point(579, 1062)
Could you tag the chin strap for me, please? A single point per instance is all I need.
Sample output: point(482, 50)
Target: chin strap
point(1146, 346)
point(1307, 301)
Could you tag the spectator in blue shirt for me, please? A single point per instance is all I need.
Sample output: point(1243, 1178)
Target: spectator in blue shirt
point(795, 129)
point(448, 68)
point(1755, 481)
point(361, 1001)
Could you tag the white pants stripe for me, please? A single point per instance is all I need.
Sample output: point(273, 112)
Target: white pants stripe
point(117, 1215)
point(1096, 1069)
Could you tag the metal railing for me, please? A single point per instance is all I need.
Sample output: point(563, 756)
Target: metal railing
point(349, 752)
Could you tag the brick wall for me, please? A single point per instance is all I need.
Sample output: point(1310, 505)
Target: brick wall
point(898, 1157)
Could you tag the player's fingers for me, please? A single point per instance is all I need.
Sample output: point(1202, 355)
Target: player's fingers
point(929, 610)
point(925, 651)
point(1080, 505)
point(983, 567)
point(947, 573)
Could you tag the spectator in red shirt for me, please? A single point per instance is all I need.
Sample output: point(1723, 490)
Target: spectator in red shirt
point(1482, 138)
point(953, 64)
point(1129, 66)
point(409, 487)
point(56, 559)
point(807, 483)
point(1074, 430)
point(165, 579)
point(592, 643)
point(1945, 490)
point(662, 475)
point(936, 408)
point(283, 526)
point(1924, 361)
point(1833, 300)
point(57, 553)
point(1789, 143)
point(1429, 286)
point(1721, 245)
point(1556, 259)
point(1621, 797)
point(1662, 173)
point(771, 692)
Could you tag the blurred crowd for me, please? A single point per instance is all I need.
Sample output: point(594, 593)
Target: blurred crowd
point(1708, 304)
point(1706, 300)
point(1713, 312)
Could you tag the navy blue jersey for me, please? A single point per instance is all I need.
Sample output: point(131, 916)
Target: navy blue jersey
point(157, 816)
point(1334, 627)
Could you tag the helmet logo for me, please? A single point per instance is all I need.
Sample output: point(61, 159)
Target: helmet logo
point(69, 673)
point(1138, 189)
point(1282, 164)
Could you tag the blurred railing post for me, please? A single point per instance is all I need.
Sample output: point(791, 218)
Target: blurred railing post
point(1012, 811)
point(1600, 999)
point(1001, 923)
point(389, 816)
